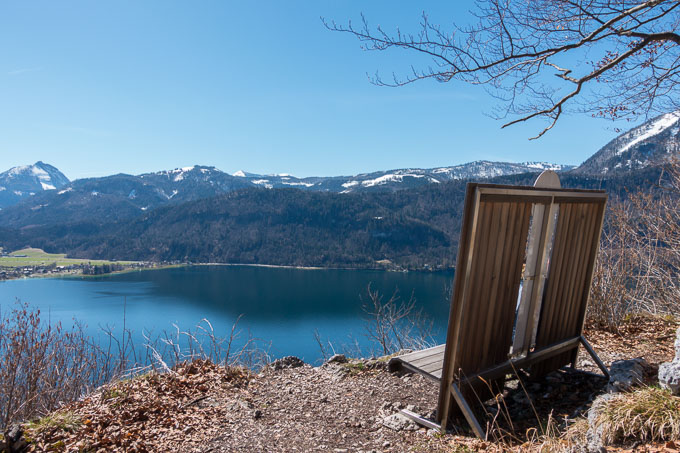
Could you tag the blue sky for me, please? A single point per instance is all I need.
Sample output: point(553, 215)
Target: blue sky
point(97, 88)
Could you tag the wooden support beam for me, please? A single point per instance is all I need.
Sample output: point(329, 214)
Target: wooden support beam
point(595, 357)
point(467, 412)
point(421, 420)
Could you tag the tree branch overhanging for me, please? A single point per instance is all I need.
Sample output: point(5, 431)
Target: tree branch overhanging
point(533, 55)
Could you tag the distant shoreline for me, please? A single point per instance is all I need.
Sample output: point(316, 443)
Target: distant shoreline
point(70, 273)
point(279, 266)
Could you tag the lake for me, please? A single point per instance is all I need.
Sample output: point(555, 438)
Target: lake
point(280, 306)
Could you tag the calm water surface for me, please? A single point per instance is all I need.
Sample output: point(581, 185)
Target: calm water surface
point(280, 306)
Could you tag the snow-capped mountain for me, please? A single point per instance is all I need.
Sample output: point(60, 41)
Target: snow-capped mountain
point(399, 179)
point(27, 180)
point(651, 143)
point(120, 196)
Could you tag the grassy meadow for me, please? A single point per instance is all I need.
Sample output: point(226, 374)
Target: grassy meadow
point(38, 257)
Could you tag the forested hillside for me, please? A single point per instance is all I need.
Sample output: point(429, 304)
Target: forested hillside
point(415, 228)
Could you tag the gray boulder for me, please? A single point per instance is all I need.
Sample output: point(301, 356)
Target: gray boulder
point(399, 422)
point(337, 358)
point(595, 435)
point(669, 376)
point(669, 372)
point(626, 374)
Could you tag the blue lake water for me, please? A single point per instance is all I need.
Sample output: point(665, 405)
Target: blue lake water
point(281, 307)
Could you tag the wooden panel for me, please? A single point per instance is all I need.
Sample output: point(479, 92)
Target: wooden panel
point(568, 285)
point(488, 272)
point(488, 307)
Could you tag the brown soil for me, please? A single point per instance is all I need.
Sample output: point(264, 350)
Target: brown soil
point(337, 407)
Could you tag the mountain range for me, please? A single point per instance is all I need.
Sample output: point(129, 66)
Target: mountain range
point(407, 217)
point(150, 190)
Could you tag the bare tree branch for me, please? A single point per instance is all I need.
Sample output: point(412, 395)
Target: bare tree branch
point(536, 56)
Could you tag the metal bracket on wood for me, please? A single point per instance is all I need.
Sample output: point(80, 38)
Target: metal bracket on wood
point(467, 412)
point(594, 355)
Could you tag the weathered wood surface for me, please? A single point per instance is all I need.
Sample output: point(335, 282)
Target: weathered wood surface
point(493, 248)
point(558, 256)
point(427, 362)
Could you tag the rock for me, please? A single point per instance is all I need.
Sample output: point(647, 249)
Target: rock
point(669, 376)
point(337, 358)
point(669, 372)
point(257, 414)
point(399, 422)
point(13, 440)
point(626, 374)
point(287, 362)
point(595, 442)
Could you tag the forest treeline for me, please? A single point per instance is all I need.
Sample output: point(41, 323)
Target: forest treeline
point(410, 229)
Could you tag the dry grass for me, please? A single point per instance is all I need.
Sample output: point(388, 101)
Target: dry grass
point(66, 421)
point(647, 414)
point(44, 365)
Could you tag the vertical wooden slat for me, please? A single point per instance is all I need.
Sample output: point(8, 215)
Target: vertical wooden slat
point(486, 278)
point(592, 246)
point(512, 278)
point(508, 213)
point(474, 304)
point(465, 252)
point(570, 277)
point(594, 250)
point(571, 283)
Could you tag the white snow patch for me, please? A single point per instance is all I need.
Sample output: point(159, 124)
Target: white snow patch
point(174, 192)
point(289, 183)
point(94, 193)
point(390, 177)
point(651, 130)
point(16, 192)
point(46, 186)
point(240, 174)
point(39, 172)
point(62, 192)
point(18, 170)
point(263, 182)
point(144, 208)
point(349, 184)
point(2, 188)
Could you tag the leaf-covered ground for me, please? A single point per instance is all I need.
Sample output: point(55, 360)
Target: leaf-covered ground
point(201, 407)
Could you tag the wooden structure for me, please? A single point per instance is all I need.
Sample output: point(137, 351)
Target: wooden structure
point(523, 273)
